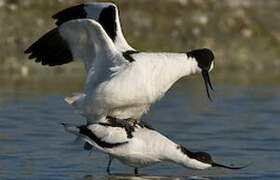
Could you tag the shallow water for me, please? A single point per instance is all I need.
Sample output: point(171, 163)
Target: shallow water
point(241, 126)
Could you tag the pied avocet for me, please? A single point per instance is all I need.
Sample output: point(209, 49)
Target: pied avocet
point(121, 82)
point(138, 145)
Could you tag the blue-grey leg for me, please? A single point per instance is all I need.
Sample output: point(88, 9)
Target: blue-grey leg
point(109, 164)
point(135, 171)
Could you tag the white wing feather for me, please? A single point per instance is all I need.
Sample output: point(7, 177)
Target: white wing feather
point(109, 134)
point(87, 40)
point(97, 11)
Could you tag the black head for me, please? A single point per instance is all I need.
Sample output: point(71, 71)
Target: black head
point(200, 156)
point(204, 158)
point(204, 58)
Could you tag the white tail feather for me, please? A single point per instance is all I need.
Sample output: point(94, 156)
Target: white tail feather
point(69, 100)
point(75, 99)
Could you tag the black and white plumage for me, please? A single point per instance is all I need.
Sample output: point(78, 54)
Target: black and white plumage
point(105, 13)
point(121, 82)
point(137, 145)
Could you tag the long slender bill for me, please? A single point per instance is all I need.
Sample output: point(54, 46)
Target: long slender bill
point(228, 167)
point(207, 82)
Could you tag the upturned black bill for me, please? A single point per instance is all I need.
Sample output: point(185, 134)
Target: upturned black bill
point(207, 82)
point(228, 167)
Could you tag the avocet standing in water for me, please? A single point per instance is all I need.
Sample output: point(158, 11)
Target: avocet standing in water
point(121, 82)
point(121, 85)
point(137, 145)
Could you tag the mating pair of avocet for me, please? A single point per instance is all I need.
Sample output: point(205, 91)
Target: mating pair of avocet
point(121, 84)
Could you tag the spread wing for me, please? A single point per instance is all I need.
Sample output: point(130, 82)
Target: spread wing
point(76, 39)
point(106, 14)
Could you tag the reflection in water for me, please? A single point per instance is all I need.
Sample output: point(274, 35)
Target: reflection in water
point(143, 177)
point(240, 126)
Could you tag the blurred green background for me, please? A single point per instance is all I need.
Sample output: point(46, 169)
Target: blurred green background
point(244, 35)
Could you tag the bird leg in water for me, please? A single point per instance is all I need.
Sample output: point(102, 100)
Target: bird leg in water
point(109, 164)
point(135, 171)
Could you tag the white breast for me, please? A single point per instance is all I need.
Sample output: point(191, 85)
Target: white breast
point(145, 148)
point(130, 91)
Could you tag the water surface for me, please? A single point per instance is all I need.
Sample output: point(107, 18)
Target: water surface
point(241, 126)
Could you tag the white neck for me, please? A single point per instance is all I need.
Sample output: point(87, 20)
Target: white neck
point(170, 68)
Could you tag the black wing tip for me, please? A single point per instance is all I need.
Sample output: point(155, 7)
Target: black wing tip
point(27, 51)
point(107, 19)
point(51, 49)
point(68, 11)
point(71, 13)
